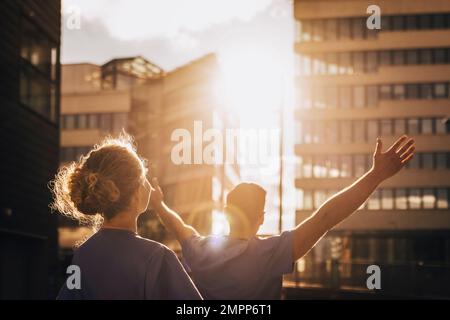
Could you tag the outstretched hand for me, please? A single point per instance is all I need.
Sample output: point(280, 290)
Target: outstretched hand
point(386, 164)
point(157, 196)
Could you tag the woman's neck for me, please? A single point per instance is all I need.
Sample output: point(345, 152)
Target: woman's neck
point(124, 220)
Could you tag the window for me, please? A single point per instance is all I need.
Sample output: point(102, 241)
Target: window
point(306, 65)
point(427, 161)
point(425, 22)
point(413, 126)
point(307, 200)
point(399, 57)
point(414, 163)
point(333, 166)
point(358, 28)
point(318, 97)
point(411, 22)
point(398, 23)
point(318, 30)
point(428, 199)
point(320, 169)
point(372, 130)
point(386, 22)
point(399, 92)
point(440, 90)
point(307, 167)
point(372, 96)
point(92, 121)
point(385, 58)
point(399, 126)
point(358, 62)
point(332, 97)
point(440, 56)
point(346, 166)
point(359, 97)
point(345, 63)
point(332, 63)
point(359, 131)
point(439, 21)
point(386, 127)
point(331, 29)
point(440, 125)
point(70, 121)
point(331, 132)
point(374, 201)
point(360, 166)
point(414, 199)
point(318, 64)
point(441, 160)
point(105, 122)
point(427, 126)
point(346, 131)
point(39, 62)
point(306, 31)
point(400, 199)
point(442, 198)
point(372, 61)
point(387, 199)
point(412, 91)
point(412, 57)
point(345, 95)
point(426, 91)
point(425, 56)
point(319, 197)
point(82, 121)
point(386, 92)
point(344, 28)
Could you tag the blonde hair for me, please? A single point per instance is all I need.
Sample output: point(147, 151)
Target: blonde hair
point(101, 183)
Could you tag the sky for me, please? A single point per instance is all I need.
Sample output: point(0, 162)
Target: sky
point(173, 32)
point(254, 34)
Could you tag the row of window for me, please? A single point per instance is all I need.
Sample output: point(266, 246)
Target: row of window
point(107, 122)
point(356, 28)
point(73, 153)
point(383, 199)
point(358, 62)
point(354, 131)
point(359, 96)
point(39, 71)
point(355, 165)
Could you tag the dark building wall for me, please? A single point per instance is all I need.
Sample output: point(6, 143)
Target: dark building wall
point(29, 144)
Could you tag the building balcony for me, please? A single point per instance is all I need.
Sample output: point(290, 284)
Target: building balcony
point(386, 109)
point(386, 40)
point(424, 143)
point(373, 220)
point(386, 74)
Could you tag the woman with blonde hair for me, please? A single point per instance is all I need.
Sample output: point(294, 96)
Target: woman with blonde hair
point(108, 189)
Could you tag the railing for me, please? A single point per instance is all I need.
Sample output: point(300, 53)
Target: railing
point(415, 279)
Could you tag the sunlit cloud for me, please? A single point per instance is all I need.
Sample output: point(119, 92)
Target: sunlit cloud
point(144, 19)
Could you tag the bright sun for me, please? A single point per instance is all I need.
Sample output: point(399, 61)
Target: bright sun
point(252, 82)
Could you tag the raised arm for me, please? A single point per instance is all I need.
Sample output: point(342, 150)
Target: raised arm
point(170, 218)
point(347, 201)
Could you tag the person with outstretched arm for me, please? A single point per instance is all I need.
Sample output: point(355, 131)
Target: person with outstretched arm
point(244, 266)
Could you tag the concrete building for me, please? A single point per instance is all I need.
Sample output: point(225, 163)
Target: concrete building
point(355, 84)
point(29, 97)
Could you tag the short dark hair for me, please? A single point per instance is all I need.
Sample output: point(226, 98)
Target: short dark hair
point(247, 197)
